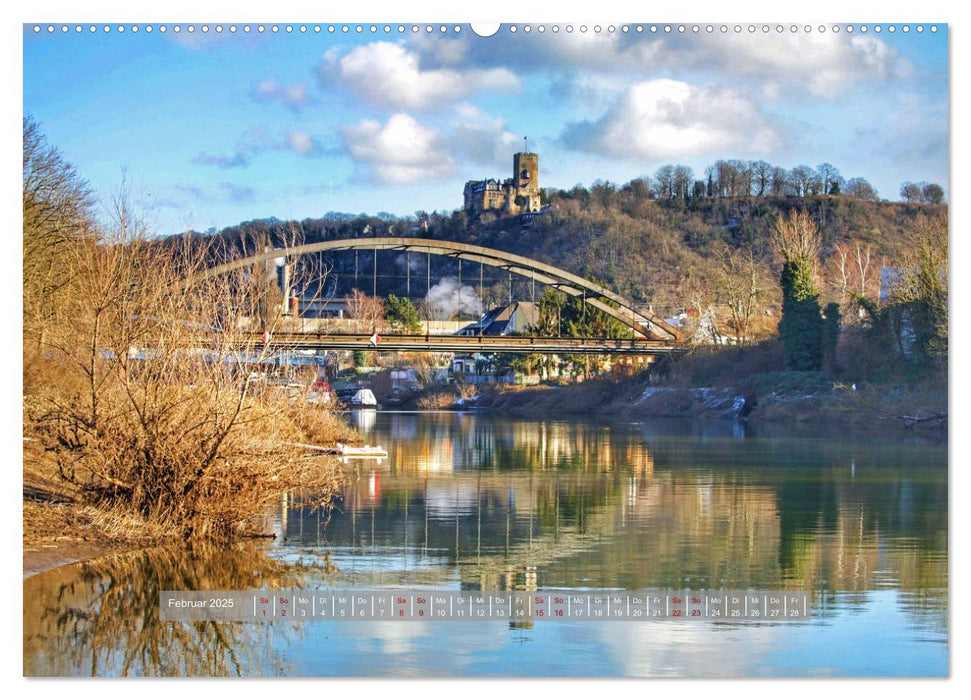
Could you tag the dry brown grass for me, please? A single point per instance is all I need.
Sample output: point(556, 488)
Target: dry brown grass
point(319, 425)
point(437, 401)
point(140, 416)
point(136, 389)
point(467, 391)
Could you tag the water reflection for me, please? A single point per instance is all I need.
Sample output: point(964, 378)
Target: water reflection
point(489, 502)
point(101, 618)
point(464, 501)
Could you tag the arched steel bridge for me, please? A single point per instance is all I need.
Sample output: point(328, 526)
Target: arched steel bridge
point(645, 323)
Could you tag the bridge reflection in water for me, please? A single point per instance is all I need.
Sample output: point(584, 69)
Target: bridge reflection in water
point(471, 502)
point(489, 504)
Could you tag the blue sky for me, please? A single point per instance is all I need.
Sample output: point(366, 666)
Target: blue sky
point(216, 129)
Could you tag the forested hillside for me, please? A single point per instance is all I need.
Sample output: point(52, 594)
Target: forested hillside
point(675, 254)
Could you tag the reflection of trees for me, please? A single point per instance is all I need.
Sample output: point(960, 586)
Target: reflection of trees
point(526, 505)
point(839, 531)
point(562, 503)
point(473, 444)
point(101, 618)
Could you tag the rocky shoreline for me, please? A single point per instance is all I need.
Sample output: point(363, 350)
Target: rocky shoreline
point(780, 398)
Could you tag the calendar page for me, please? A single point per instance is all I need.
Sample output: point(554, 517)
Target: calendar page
point(436, 349)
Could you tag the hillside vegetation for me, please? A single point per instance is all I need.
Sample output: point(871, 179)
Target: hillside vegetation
point(670, 253)
point(712, 260)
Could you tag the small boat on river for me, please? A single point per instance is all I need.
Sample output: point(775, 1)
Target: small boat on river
point(364, 398)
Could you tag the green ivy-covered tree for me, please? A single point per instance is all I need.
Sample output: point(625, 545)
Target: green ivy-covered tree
point(801, 327)
point(832, 321)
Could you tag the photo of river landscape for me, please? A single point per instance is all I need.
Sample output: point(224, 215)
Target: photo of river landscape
point(474, 502)
point(513, 350)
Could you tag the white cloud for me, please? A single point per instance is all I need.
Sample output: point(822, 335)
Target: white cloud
point(256, 141)
point(823, 64)
point(669, 119)
point(388, 75)
point(400, 151)
point(250, 144)
point(293, 96)
point(301, 142)
point(481, 138)
point(240, 194)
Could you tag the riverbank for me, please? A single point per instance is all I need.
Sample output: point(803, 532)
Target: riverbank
point(771, 397)
point(59, 529)
point(59, 533)
point(774, 397)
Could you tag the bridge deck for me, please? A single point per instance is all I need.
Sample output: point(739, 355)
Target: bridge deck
point(489, 344)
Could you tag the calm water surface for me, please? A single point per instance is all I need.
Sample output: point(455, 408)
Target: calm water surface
point(480, 503)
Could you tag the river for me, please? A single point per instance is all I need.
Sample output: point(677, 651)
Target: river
point(473, 502)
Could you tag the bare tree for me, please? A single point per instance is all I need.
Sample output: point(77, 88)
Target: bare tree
point(911, 192)
point(839, 278)
point(761, 178)
point(57, 211)
point(145, 401)
point(701, 292)
point(779, 181)
point(682, 178)
point(366, 311)
point(798, 237)
point(741, 285)
point(932, 193)
point(859, 188)
point(664, 176)
point(803, 181)
point(830, 179)
point(863, 260)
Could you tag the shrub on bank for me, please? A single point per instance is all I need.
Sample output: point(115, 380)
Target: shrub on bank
point(139, 385)
point(437, 401)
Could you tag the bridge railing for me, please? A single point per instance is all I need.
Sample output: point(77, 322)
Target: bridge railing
point(474, 343)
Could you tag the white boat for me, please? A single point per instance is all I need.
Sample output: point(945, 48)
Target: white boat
point(366, 451)
point(364, 398)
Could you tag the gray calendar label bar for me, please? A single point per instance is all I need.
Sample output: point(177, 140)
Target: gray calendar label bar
point(519, 606)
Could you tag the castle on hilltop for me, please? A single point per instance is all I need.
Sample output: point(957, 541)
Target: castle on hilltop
point(519, 194)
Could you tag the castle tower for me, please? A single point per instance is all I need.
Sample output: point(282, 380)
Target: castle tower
point(526, 173)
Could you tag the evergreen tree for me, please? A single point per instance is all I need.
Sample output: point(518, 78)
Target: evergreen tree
point(560, 314)
point(401, 313)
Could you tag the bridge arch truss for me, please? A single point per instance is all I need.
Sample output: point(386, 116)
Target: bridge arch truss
point(642, 321)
